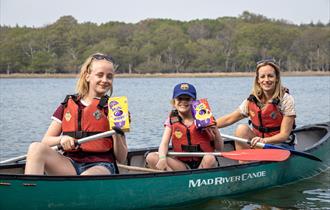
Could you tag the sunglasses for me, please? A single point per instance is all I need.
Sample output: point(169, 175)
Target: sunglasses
point(104, 57)
point(268, 60)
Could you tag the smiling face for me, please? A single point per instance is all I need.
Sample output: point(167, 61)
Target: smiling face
point(100, 78)
point(182, 104)
point(267, 79)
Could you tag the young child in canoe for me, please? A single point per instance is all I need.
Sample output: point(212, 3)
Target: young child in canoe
point(182, 131)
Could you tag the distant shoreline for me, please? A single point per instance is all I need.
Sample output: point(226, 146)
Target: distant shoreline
point(171, 75)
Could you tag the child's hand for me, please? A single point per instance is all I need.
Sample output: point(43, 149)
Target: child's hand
point(211, 132)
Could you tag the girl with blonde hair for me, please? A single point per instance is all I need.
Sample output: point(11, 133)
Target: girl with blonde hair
point(78, 116)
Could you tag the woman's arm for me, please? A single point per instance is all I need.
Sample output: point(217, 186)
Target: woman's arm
point(229, 119)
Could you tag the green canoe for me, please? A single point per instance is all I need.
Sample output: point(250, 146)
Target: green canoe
point(133, 189)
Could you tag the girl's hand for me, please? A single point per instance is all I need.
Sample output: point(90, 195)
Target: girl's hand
point(162, 164)
point(211, 132)
point(67, 143)
point(255, 140)
point(118, 131)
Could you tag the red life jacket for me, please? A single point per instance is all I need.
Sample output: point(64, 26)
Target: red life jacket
point(266, 121)
point(189, 139)
point(79, 123)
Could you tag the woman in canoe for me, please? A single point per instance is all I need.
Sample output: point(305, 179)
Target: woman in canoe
point(78, 116)
point(270, 109)
point(181, 129)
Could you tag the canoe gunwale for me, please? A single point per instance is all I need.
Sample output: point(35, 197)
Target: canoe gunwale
point(127, 176)
point(318, 144)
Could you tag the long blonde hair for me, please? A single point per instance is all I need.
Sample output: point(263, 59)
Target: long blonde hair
point(279, 89)
point(82, 86)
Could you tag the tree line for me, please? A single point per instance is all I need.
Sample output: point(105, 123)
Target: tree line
point(226, 44)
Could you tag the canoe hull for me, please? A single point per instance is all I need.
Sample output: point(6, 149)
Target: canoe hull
point(152, 190)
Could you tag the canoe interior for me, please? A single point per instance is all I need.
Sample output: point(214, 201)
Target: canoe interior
point(307, 138)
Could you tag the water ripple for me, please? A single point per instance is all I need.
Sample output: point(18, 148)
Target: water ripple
point(322, 195)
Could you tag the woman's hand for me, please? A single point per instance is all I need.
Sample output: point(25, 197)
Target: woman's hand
point(255, 140)
point(67, 143)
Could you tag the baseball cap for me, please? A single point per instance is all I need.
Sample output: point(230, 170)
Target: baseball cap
point(184, 89)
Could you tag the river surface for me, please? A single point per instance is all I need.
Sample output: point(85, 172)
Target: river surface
point(26, 106)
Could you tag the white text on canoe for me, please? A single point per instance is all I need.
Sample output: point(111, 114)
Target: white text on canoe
point(223, 180)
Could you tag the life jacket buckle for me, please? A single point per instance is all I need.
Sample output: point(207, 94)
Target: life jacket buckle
point(263, 129)
point(79, 134)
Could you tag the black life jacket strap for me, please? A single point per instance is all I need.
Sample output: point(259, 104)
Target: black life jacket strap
point(188, 136)
point(80, 134)
point(266, 129)
point(191, 148)
point(276, 101)
point(103, 102)
point(254, 99)
point(74, 97)
point(175, 117)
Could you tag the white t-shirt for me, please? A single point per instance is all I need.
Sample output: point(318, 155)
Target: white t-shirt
point(286, 105)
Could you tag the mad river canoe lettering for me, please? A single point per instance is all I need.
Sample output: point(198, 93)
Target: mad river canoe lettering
point(223, 180)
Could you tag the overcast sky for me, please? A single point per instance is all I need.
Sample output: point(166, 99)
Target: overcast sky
point(39, 13)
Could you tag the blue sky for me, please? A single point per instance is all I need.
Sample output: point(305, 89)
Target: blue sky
point(39, 13)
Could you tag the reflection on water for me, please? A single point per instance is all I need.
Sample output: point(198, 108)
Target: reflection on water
point(322, 195)
point(311, 193)
point(225, 204)
point(27, 104)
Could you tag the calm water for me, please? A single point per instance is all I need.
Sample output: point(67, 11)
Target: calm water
point(26, 106)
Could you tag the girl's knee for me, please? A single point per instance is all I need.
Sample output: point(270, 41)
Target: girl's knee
point(34, 146)
point(209, 160)
point(152, 157)
point(37, 148)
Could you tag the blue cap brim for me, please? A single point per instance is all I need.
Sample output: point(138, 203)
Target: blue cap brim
point(180, 94)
